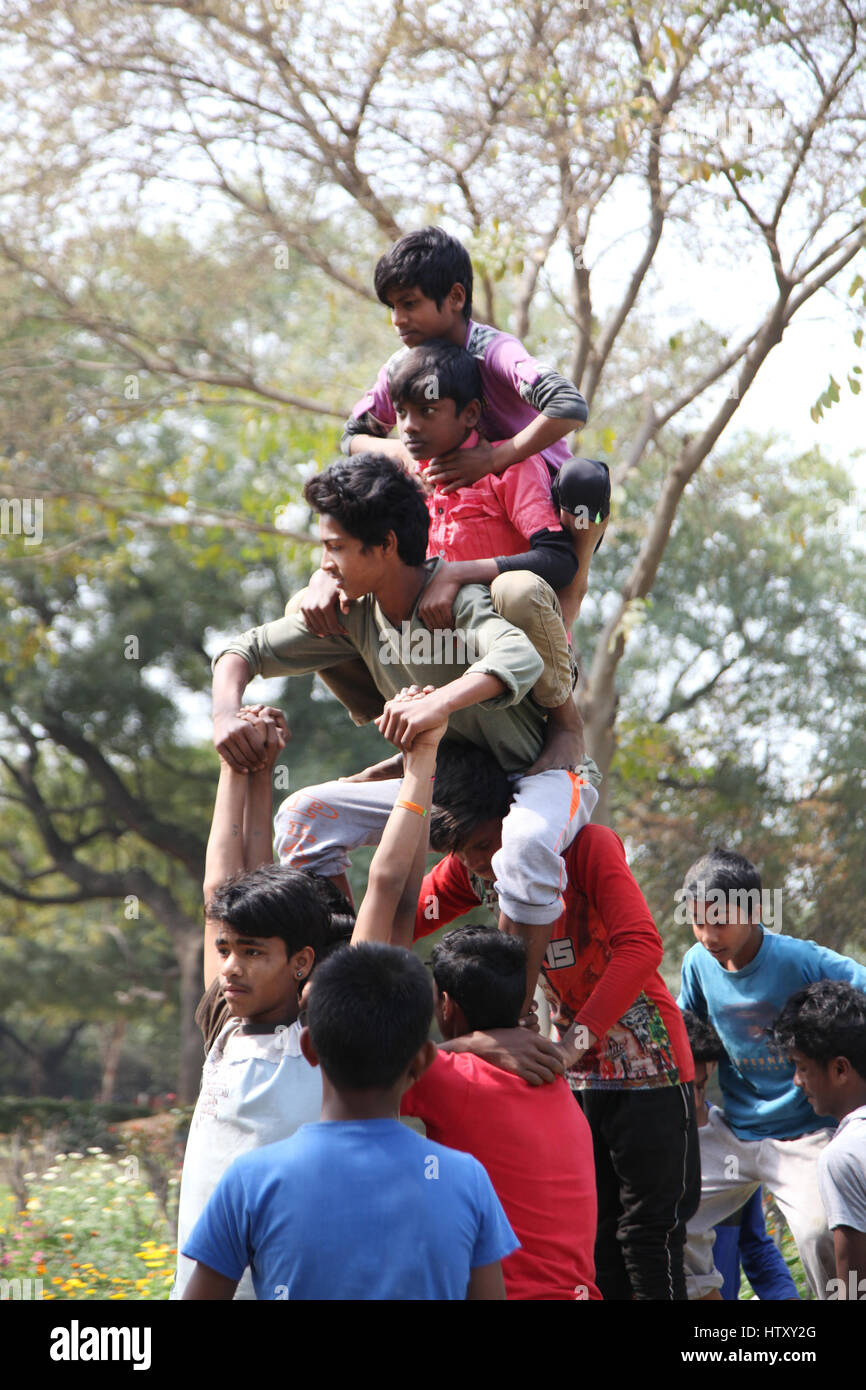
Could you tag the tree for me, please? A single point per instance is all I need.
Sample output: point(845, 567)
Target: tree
point(104, 647)
point(745, 694)
point(729, 129)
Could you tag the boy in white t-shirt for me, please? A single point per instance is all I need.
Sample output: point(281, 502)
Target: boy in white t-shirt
point(265, 926)
point(822, 1028)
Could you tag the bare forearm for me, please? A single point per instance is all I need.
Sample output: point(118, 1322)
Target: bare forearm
point(373, 444)
point(471, 689)
point(471, 571)
point(535, 939)
point(258, 844)
point(540, 434)
point(400, 852)
point(225, 847)
point(231, 677)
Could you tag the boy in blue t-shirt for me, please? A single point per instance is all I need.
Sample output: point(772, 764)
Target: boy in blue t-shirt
point(738, 977)
point(357, 1206)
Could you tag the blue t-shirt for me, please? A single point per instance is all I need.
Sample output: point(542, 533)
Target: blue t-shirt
point(761, 1100)
point(362, 1209)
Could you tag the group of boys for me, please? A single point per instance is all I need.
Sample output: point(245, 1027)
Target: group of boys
point(453, 567)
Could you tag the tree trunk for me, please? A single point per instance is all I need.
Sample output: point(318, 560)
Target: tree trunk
point(113, 1035)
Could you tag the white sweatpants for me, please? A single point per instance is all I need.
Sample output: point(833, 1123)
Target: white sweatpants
point(316, 829)
point(731, 1170)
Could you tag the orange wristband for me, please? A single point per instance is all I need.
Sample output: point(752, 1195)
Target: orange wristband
point(410, 806)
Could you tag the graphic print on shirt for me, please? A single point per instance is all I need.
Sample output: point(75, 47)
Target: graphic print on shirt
point(637, 1050)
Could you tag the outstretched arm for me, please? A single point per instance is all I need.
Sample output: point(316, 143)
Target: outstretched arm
point(241, 826)
point(390, 903)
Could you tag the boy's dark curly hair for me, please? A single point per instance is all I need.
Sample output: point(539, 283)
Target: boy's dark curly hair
point(827, 1019)
point(429, 260)
point(370, 495)
point(470, 787)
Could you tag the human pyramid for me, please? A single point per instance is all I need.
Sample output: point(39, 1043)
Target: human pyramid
point(581, 1166)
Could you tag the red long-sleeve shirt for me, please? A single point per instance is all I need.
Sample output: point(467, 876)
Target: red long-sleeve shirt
point(602, 963)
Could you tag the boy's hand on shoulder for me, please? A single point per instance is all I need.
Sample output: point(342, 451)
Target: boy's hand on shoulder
point(322, 605)
point(436, 604)
point(463, 467)
point(577, 1040)
point(525, 1054)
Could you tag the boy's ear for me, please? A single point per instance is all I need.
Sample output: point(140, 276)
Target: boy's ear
point(457, 297)
point(446, 1005)
point(307, 1048)
point(424, 1058)
point(301, 964)
point(471, 414)
point(389, 544)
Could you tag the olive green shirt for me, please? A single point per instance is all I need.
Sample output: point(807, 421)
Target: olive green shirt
point(511, 726)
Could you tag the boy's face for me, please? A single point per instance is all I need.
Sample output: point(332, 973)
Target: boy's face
point(417, 318)
point(703, 1072)
point(479, 849)
point(728, 933)
point(257, 978)
point(356, 568)
point(429, 429)
point(815, 1081)
point(560, 1016)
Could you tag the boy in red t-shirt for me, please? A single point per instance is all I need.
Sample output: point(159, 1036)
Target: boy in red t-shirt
point(624, 1044)
point(502, 531)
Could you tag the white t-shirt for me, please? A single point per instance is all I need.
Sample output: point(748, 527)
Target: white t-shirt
point(842, 1173)
point(256, 1088)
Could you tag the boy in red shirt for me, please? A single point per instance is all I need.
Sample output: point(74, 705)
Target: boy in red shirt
point(624, 1044)
point(436, 392)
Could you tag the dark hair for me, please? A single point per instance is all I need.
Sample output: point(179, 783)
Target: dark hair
point(484, 972)
point(434, 371)
point(273, 900)
point(470, 787)
point(827, 1019)
point(341, 915)
point(369, 1011)
point(704, 1041)
point(429, 260)
point(722, 870)
point(370, 495)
